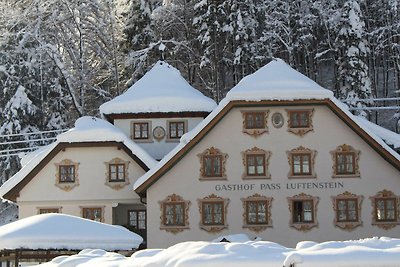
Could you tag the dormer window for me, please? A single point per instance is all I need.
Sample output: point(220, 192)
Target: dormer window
point(300, 121)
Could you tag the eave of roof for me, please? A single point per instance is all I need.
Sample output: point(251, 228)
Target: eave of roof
point(183, 148)
point(13, 192)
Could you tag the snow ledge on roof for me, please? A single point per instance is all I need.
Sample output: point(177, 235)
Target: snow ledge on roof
point(161, 89)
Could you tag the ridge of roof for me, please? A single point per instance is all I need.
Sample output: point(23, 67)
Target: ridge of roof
point(161, 89)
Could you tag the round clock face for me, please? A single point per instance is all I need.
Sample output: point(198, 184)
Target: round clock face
point(277, 120)
point(158, 133)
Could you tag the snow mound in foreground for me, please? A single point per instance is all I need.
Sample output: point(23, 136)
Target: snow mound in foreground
point(371, 252)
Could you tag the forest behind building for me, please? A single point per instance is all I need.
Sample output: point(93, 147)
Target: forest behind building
point(61, 59)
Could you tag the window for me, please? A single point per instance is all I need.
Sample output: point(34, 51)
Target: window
point(174, 214)
point(301, 161)
point(347, 208)
point(345, 162)
point(48, 210)
point(117, 173)
point(213, 213)
point(301, 164)
point(176, 129)
point(141, 131)
point(66, 175)
point(255, 162)
point(300, 121)
point(95, 214)
point(257, 212)
point(386, 209)
point(303, 210)
point(137, 219)
point(255, 122)
point(212, 164)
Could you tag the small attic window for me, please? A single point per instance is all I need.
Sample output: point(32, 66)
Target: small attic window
point(141, 131)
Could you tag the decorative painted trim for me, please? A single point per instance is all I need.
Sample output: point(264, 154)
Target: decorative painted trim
point(256, 151)
point(175, 140)
point(384, 153)
point(118, 184)
point(300, 151)
point(300, 131)
point(213, 199)
point(303, 226)
point(346, 149)
point(257, 227)
point(348, 225)
point(149, 138)
point(212, 151)
point(277, 120)
point(258, 131)
point(385, 194)
point(174, 199)
point(66, 186)
point(159, 133)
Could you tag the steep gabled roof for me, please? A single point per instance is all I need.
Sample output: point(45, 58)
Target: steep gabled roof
point(274, 84)
point(162, 89)
point(88, 132)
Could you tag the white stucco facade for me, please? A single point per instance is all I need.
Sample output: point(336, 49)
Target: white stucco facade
point(329, 132)
point(92, 190)
point(157, 147)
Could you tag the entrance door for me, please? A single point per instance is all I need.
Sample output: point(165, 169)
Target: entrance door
point(137, 223)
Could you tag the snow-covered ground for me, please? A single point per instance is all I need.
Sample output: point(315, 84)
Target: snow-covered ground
point(371, 252)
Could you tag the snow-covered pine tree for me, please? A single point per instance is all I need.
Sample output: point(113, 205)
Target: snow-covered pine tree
point(210, 22)
point(242, 28)
point(352, 49)
point(140, 38)
point(174, 28)
point(18, 117)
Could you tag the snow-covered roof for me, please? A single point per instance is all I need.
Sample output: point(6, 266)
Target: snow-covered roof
point(87, 129)
point(162, 89)
point(275, 81)
point(61, 231)
point(390, 138)
point(369, 252)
